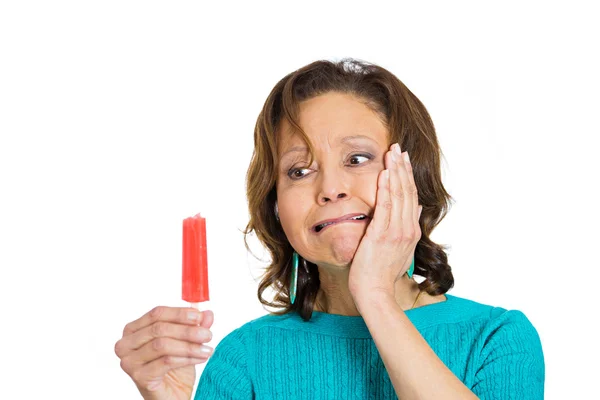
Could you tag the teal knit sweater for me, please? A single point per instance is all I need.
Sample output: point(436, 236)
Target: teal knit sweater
point(496, 353)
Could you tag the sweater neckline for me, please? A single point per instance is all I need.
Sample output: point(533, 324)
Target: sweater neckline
point(355, 326)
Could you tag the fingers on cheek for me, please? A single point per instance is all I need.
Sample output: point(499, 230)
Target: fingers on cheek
point(384, 180)
point(382, 197)
point(388, 160)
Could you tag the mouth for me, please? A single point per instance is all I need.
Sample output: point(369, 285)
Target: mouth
point(357, 218)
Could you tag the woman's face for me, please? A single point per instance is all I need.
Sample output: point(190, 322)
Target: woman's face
point(342, 180)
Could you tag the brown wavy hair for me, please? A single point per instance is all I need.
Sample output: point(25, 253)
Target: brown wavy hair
point(407, 122)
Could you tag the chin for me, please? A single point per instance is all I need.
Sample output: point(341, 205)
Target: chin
point(343, 249)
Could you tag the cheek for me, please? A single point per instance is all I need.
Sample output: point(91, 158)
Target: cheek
point(293, 212)
point(293, 222)
point(367, 189)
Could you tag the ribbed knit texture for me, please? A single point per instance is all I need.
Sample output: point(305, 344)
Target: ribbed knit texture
point(496, 353)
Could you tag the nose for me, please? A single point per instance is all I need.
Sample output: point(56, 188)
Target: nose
point(333, 188)
point(325, 199)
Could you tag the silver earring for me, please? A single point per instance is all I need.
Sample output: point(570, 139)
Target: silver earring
point(276, 211)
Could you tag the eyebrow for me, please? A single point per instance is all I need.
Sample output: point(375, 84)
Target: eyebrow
point(345, 139)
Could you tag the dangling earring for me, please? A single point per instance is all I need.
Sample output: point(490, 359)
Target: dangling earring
point(411, 269)
point(294, 281)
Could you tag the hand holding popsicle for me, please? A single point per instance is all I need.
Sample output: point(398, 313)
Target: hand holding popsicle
point(160, 349)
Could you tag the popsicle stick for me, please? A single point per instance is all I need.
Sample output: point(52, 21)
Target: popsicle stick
point(195, 305)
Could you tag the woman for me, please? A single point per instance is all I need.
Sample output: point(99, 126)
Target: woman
point(344, 190)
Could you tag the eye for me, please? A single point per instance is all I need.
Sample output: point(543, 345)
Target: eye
point(293, 173)
point(355, 156)
point(296, 173)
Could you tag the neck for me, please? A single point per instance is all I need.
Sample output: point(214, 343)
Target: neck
point(334, 295)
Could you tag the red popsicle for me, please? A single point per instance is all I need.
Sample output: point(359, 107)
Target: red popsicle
point(194, 283)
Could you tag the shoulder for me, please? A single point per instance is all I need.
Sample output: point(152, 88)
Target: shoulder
point(489, 325)
point(511, 331)
point(454, 310)
point(503, 334)
point(494, 318)
point(508, 355)
point(229, 372)
point(493, 315)
point(239, 345)
point(516, 320)
point(267, 320)
point(505, 355)
point(244, 332)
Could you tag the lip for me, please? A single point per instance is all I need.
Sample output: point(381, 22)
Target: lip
point(343, 218)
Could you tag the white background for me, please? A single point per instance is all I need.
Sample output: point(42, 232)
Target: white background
point(118, 119)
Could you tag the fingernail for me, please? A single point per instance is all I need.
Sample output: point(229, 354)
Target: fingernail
point(394, 155)
point(193, 316)
point(204, 336)
point(405, 154)
point(420, 209)
point(397, 149)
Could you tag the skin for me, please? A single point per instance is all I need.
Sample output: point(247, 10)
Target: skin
point(343, 180)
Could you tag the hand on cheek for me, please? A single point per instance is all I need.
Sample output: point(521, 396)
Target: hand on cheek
point(387, 248)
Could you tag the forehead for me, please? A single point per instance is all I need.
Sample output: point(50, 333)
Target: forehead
point(334, 119)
